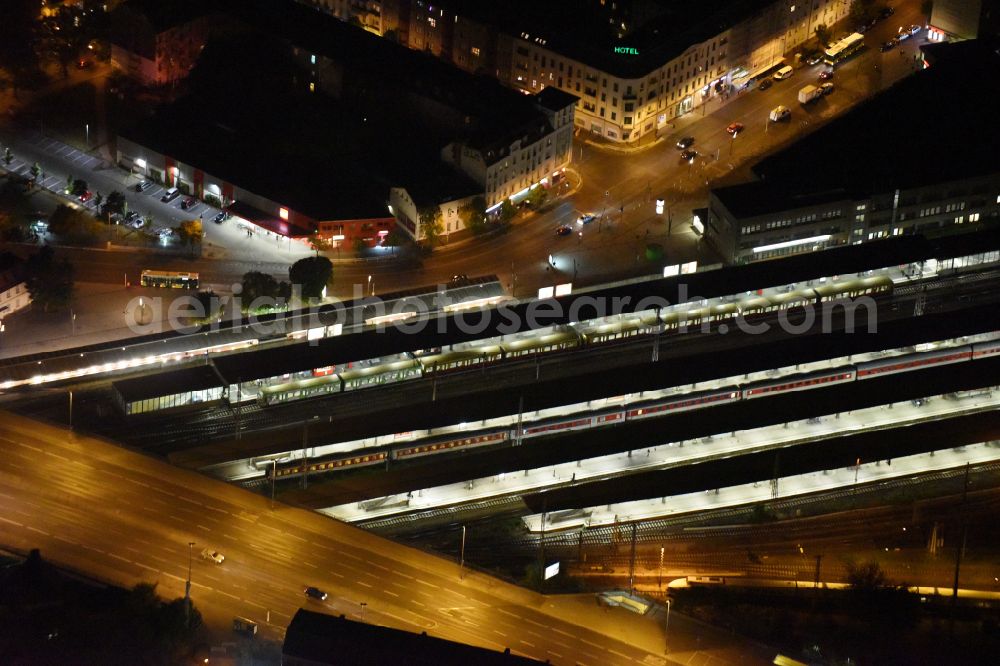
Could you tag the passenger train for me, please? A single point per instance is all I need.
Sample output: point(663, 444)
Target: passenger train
point(681, 403)
point(431, 362)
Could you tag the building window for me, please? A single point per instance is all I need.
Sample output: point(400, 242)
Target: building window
point(973, 217)
point(628, 120)
point(283, 213)
point(433, 22)
point(475, 51)
point(312, 59)
point(312, 87)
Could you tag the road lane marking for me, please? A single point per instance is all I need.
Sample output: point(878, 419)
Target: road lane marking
point(584, 640)
point(391, 593)
point(527, 643)
point(623, 656)
point(500, 632)
point(423, 582)
point(414, 601)
point(509, 613)
point(361, 582)
point(12, 522)
point(555, 654)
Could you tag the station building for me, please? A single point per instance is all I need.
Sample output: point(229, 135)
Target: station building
point(872, 172)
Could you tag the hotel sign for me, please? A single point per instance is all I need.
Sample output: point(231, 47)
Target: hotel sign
point(626, 50)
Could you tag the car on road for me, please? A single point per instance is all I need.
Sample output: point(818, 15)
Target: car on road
point(826, 88)
point(814, 59)
point(689, 155)
point(783, 73)
point(764, 85)
point(888, 46)
point(189, 202)
point(130, 218)
point(586, 218)
point(903, 34)
point(316, 593)
point(779, 113)
point(221, 217)
point(685, 142)
point(242, 625)
point(214, 555)
point(735, 128)
point(460, 279)
point(564, 230)
point(143, 186)
point(826, 76)
point(86, 196)
point(914, 29)
point(886, 12)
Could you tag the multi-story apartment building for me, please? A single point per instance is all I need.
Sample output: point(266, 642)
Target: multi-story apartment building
point(158, 43)
point(14, 294)
point(829, 190)
point(508, 164)
point(635, 65)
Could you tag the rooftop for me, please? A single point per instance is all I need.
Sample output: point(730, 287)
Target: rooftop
point(11, 271)
point(325, 639)
point(656, 30)
point(182, 380)
point(875, 149)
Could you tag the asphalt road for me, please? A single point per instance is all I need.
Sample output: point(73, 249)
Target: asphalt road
point(118, 516)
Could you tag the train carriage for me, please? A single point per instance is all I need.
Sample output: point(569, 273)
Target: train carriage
point(799, 382)
point(888, 366)
point(383, 373)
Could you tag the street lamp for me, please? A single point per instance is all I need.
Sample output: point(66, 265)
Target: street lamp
point(363, 604)
point(666, 626)
point(461, 562)
point(87, 130)
point(187, 585)
point(660, 577)
point(371, 287)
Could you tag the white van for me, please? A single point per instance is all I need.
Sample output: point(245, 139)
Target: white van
point(170, 195)
point(783, 73)
point(779, 113)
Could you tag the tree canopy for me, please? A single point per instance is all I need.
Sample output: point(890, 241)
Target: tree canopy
point(312, 274)
point(473, 215)
point(263, 289)
point(431, 224)
point(50, 281)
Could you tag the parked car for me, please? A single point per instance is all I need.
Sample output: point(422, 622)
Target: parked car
point(903, 34)
point(888, 46)
point(170, 195)
point(214, 555)
point(827, 88)
point(316, 593)
point(783, 73)
point(242, 625)
point(189, 202)
point(735, 128)
point(221, 217)
point(143, 186)
point(826, 76)
point(814, 59)
point(764, 85)
point(689, 155)
point(460, 279)
point(86, 196)
point(914, 29)
point(564, 230)
point(685, 142)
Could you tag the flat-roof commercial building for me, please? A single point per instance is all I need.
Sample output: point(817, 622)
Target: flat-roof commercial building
point(913, 160)
point(14, 294)
point(634, 64)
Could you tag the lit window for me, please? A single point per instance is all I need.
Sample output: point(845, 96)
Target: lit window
point(475, 51)
point(312, 87)
point(283, 213)
point(312, 59)
point(433, 22)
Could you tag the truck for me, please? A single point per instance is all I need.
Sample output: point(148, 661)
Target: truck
point(809, 93)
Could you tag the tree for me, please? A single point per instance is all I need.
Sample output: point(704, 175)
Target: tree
point(65, 220)
point(867, 577)
point(312, 274)
point(538, 196)
point(210, 306)
point(8, 156)
point(823, 34)
point(98, 200)
point(473, 215)
point(78, 187)
point(50, 282)
point(863, 11)
point(35, 170)
point(257, 285)
point(320, 244)
point(926, 8)
point(391, 34)
point(190, 232)
point(431, 224)
point(18, 37)
point(507, 212)
point(115, 203)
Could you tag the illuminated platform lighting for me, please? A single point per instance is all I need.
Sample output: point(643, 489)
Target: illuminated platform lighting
point(793, 243)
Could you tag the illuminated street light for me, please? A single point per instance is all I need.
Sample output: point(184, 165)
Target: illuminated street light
point(659, 206)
